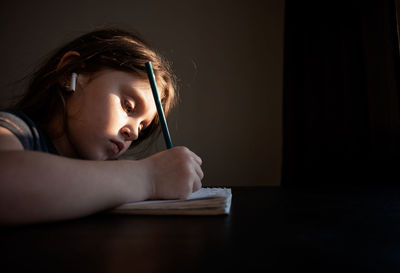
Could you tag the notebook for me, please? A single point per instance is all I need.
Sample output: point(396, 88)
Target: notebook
point(206, 201)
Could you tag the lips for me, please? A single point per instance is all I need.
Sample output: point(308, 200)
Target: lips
point(117, 146)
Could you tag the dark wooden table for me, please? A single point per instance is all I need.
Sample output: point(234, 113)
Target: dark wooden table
point(326, 229)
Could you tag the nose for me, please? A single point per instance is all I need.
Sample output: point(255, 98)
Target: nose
point(129, 133)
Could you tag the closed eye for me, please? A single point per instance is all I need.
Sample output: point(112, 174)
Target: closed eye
point(128, 106)
point(141, 126)
point(144, 127)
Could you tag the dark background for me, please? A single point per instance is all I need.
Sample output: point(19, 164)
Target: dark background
point(291, 92)
point(341, 97)
point(228, 56)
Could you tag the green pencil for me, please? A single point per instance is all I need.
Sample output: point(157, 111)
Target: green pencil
point(160, 111)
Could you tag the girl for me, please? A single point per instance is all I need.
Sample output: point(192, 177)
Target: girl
point(86, 105)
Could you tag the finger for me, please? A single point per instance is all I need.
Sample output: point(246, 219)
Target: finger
point(199, 171)
point(196, 158)
point(197, 161)
point(196, 185)
point(189, 153)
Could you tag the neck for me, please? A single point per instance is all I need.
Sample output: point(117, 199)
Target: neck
point(64, 147)
point(58, 133)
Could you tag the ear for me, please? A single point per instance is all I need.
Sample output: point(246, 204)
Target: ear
point(65, 80)
point(67, 58)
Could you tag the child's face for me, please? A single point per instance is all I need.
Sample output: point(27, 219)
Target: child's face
point(107, 112)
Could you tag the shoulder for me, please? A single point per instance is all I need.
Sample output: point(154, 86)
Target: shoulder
point(9, 141)
point(25, 130)
point(14, 122)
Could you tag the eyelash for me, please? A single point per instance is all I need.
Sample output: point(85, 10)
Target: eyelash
point(128, 107)
point(141, 126)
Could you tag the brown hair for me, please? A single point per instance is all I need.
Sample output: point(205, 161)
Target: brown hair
point(102, 48)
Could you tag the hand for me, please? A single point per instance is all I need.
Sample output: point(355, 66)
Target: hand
point(174, 173)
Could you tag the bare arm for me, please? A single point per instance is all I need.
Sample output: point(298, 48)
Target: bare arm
point(37, 187)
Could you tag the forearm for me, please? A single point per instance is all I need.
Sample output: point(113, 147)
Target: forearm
point(42, 187)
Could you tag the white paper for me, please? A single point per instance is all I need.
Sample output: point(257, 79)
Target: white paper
point(207, 199)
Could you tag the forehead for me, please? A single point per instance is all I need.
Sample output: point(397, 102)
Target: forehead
point(137, 87)
point(137, 80)
point(133, 84)
point(120, 80)
point(121, 77)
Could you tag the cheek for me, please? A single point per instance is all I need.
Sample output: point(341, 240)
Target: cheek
point(111, 118)
point(97, 118)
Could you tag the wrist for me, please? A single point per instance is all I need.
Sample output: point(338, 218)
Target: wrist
point(146, 177)
point(138, 185)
